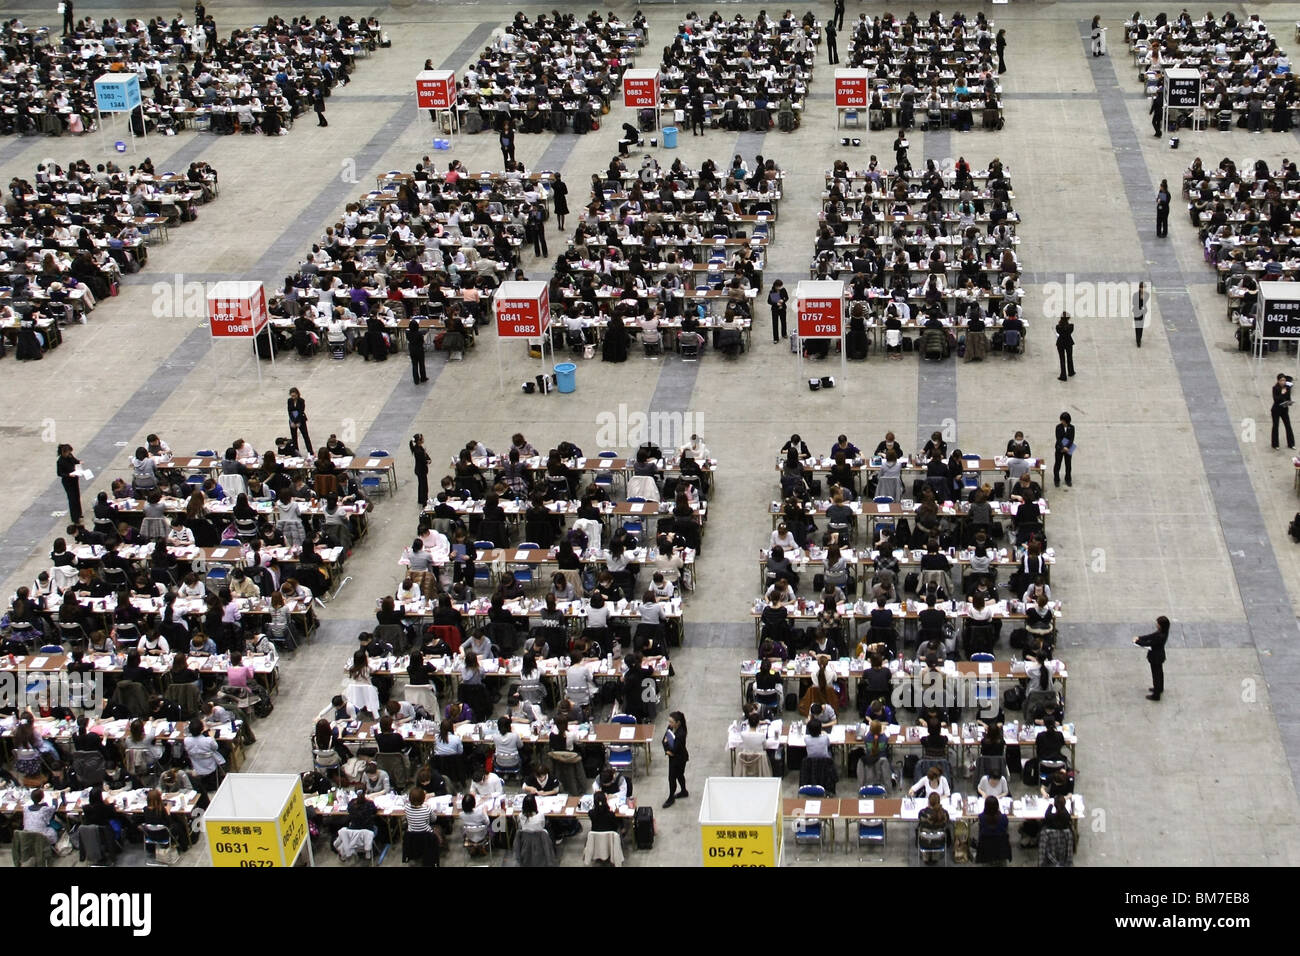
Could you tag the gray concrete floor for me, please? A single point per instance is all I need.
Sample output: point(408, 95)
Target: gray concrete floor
point(1179, 506)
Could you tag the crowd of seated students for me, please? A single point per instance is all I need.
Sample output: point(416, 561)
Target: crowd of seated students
point(258, 79)
point(632, 266)
point(1243, 71)
point(950, 271)
point(1245, 223)
point(741, 71)
point(944, 71)
point(71, 234)
point(433, 249)
point(549, 74)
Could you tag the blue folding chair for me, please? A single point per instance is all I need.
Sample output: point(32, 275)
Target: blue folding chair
point(810, 832)
point(622, 757)
point(871, 832)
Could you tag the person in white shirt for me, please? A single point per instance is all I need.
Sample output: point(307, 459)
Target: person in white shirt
point(153, 644)
point(993, 784)
point(933, 782)
point(782, 537)
point(191, 587)
point(486, 784)
point(661, 587)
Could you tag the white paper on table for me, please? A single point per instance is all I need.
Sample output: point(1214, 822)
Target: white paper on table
point(866, 806)
point(521, 555)
point(37, 662)
point(637, 507)
point(882, 509)
point(373, 462)
point(837, 734)
point(219, 552)
point(605, 462)
point(627, 733)
point(984, 667)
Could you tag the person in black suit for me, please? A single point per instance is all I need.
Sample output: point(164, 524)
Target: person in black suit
point(1064, 442)
point(674, 741)
point(67, 463)
point(831, 49)
point(1281, 411)
point(421, 470)
point(1065, 344)
point(1155, 645)
point(298, 419)
point(798, 444)
point(318, 104)
point(415, 348)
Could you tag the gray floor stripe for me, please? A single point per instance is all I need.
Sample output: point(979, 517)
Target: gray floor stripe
point(936, 387)
point(32, 527)
point(1272, 625)
point(677, 378)
point(720, 634)
point(393, 425)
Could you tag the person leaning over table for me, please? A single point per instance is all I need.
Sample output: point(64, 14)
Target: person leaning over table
point(204, 755)
point(933, 783)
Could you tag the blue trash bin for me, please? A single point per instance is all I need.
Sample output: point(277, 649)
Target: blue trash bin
point(566, 379)
point(670, 137)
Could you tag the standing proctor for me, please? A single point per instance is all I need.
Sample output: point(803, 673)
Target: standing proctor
point(507, 141)
point(831, 49)
point(68, 463)
point(1064, 449)
point(66, 7)
point(839, 15)
point(1162, 210)
point(318, 104)
point(674, 741)
point(560, 199)
point(415, 348)
point(1155, 645)
point(421, 470)
point(697, 114)
point(298, 419)
point(1282, 409)
point(1140, 311)
point(1002, 48)
point(1158, 110)
point(777, 298)
point(1065, 345)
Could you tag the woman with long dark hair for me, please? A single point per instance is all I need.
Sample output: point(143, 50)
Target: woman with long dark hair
point(674, 742)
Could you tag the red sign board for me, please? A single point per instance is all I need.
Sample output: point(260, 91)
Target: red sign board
point(438, 93)
point(641, 92)
point(523, 318)
point(241, 317)
point(821, 318)
point(851, 91)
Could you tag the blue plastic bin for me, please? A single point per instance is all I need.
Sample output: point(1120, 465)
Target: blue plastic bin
point(566, 379)
point(670, 137)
